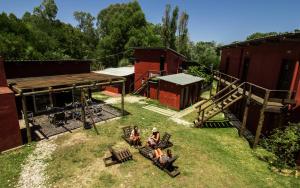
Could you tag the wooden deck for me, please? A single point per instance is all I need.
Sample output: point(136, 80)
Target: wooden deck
point(271, 105)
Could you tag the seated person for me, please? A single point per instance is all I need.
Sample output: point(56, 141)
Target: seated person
point(153, 140)
point(161, 157)
point(135, 137)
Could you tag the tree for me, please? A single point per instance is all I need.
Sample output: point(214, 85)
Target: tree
point(121, 27)
point(166, 26)
point(183, 39)
point(173, 28)
point(47, 9)
point(260, 35)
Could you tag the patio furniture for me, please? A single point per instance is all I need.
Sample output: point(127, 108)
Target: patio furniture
point(168, 167)
point(165, 142)
point(58, 118)
point(126, 135)
point(117, 157)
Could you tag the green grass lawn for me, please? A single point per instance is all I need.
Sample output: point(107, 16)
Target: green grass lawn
point(10, 165)
point(207, 158)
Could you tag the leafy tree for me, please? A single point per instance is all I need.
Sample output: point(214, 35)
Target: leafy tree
point(260, 35)
point(173, 28)
point(205, 53)
point(121, 27)
point(47, 9)
point(165, 35)
point(183, 39)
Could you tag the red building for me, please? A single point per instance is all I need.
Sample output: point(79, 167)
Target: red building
point(151, 62)
point(10, 135)
point(126, 72)
point(177, 91)
point(272, 63)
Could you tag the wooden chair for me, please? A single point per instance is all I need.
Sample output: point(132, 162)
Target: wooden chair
point(168, 167)
point(117, 157)
point(58, 119)
point(165, 142)
point(126, 135)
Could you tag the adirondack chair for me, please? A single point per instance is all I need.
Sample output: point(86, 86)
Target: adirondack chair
point(126, 135)
point(165, 142)
point(117, 157)
point(168, 167)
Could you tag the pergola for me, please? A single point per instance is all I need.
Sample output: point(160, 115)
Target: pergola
point(32, 86)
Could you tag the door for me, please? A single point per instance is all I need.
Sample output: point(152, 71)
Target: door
point(286, 74)
point(245, 69)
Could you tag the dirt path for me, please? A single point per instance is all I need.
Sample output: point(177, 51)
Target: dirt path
point(33, 170)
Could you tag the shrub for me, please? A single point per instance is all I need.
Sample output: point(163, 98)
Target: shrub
point(285, 144)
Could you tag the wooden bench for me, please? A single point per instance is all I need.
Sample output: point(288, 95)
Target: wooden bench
point(117, 157)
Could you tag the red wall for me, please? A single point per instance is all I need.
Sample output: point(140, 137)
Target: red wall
point(10, 135)
point(19, 69)
point(2, 74)
point(169, 94)
point(149, 60)
point(264, 70)
point(265, 61)
point(153, 91)
point(118, 87)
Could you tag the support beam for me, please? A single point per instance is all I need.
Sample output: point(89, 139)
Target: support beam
point(83, 119)
point(122, 98)
point(73, 93)
point(50, 97)
point(261, 119)
point(25, 116)
point(245, 116)
point(34, 102)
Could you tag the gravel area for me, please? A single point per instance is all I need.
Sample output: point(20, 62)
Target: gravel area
point(33, 170)
point(127, 98)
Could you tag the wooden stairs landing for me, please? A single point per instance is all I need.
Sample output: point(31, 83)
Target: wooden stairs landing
point(217, 124)
point(217, 106)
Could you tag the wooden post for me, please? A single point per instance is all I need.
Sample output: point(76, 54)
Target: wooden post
point(34, 102)
point(73, 94)
point(122, 98)
point(261, 119)
point(83, 108)
point(245, 116)
point(50, 97)
point(25, 116)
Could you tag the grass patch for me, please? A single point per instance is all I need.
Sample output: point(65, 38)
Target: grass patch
point(207, 157)
point(99, 96)
point(10, 165)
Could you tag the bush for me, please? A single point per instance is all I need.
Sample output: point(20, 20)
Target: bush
point(201, 72)
point(285, 144)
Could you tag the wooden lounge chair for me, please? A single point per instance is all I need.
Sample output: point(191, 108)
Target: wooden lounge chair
point(126, 134)
point(117, 157)
point(165, 142)
point(168, 167)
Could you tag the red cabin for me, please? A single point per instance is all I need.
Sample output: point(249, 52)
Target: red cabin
point(151, 62)
point(272, 63)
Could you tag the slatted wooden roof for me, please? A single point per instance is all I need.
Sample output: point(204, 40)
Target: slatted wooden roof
point(30, 83)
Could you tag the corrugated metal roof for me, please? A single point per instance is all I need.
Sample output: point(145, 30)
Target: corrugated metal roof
point(120, 71)
point(181, 78)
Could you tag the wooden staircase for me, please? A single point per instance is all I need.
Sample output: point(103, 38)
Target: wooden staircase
point(218, 105)
point(143, 86)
